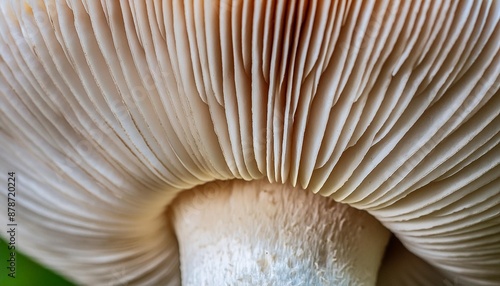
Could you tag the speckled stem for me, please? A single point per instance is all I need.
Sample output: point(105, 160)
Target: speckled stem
point(257, 233)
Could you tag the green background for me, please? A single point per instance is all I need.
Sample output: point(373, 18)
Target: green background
point(28, 272)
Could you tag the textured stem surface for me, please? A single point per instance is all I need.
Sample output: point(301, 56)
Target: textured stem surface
point(242, 233)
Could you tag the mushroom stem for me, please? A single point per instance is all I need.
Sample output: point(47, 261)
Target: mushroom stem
point(258, 233)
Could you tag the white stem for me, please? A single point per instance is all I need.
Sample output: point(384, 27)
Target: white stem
point(257, 233)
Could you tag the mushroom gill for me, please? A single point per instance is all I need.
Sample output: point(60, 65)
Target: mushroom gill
point(123, 118)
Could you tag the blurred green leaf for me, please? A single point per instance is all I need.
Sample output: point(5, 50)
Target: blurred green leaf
point(28, 272)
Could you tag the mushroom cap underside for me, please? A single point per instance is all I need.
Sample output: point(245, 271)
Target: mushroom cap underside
point(109, 109)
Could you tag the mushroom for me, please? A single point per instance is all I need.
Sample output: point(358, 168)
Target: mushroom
point(251, 142)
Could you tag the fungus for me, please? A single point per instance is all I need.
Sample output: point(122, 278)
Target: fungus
point(159, 141)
